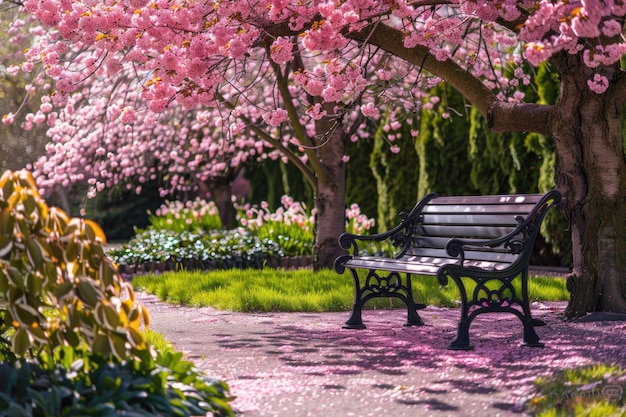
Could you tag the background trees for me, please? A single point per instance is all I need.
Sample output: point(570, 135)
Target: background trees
point(331, 66)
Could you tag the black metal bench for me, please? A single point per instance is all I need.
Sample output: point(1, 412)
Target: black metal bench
point(483, 241)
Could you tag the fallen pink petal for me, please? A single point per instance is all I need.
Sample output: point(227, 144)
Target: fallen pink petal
point(305, 364)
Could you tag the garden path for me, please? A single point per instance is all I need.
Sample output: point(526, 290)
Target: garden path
point(304, 364)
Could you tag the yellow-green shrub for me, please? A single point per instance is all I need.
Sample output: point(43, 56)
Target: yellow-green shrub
point(56, 286)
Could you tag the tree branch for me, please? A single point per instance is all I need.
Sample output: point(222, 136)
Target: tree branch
point(306, 171)
point(501, 116)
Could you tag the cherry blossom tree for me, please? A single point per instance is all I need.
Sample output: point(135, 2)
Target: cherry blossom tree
point(302, 75)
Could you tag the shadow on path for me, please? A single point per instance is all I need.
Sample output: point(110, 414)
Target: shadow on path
point(301, 364)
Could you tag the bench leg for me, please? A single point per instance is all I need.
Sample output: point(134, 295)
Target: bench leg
point(355, 321)
point(375, 286)
point(462, 341)
point(413, 319)
point(531, 338)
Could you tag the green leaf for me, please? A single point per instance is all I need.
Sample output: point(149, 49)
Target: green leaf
point(106, 316)
point(25, 314)
point(8, 189)
point(101, 345)
point(4, 281)
point(6, 244)
point(71, 251)
point(118, 345)
point(20, 342)
point(30, 204)
point(34, 251)
point(7, 222)
point(33, 284)
point(88, 292)
point(107, 273)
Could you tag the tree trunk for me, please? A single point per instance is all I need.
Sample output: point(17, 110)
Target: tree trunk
point(330, 196)
point(221, 193)
point(591, 174)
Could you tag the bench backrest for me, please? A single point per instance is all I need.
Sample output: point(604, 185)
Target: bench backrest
point(510, 222)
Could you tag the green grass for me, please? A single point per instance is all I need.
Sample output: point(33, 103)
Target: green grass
point(158, 341)
point(301, 290)
point(592, 391)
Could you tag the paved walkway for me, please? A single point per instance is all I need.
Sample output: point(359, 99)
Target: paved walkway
point(304, 364)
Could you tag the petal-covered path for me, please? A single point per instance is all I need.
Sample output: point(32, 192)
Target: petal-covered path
point(304, 364)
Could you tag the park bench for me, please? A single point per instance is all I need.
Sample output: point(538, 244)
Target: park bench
point(483, 243)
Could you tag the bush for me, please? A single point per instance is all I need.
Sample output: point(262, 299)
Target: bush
point(96, 386)
point(186, 236)
point(201, 250)
point(70, 329)
point(56, 286)
point(592, 390)
point(191, 216)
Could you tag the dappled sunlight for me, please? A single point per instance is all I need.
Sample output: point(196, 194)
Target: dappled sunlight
point(306, 363)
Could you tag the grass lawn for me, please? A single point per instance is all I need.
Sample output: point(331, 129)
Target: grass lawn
point(301, 290)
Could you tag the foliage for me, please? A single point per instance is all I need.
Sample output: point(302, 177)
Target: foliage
point(442, 145)
point(593, 390)
point(301, 290)
point(306, 76)
point(56, 286)
point(395, 173)
point(271, 179)
point(190, 216)
point(78, 383)
point(118, 210)
point(360, 181)
point(214, 249)
point(158, 341)
point(185, 235)
point(71, 331)
point(291, 225)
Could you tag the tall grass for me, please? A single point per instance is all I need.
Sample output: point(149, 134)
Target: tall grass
point(300, 290)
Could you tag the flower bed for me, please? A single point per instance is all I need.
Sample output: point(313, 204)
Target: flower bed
point(186, 236)
point(165, 250)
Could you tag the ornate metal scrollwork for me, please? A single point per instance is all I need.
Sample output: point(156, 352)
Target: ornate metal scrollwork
point(503, 296)
point(385, 285)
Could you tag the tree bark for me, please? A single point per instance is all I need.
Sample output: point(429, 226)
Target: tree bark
point(220, 189)
point(591, 175)
point(330, 195)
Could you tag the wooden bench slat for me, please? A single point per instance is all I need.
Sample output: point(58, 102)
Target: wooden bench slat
point(491, 199)
point(498, 256)
point(422, 265)
point(474, 219)
point(479, 209)
point(479, 232)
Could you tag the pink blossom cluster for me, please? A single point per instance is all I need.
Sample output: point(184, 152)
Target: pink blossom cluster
point(569, 26)
point(196, 208)
point(357, 222)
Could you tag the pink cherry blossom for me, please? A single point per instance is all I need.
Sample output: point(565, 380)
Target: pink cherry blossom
point(598, 84)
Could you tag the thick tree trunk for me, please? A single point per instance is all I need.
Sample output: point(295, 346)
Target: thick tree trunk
point(591, 174)
point(330, 197)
